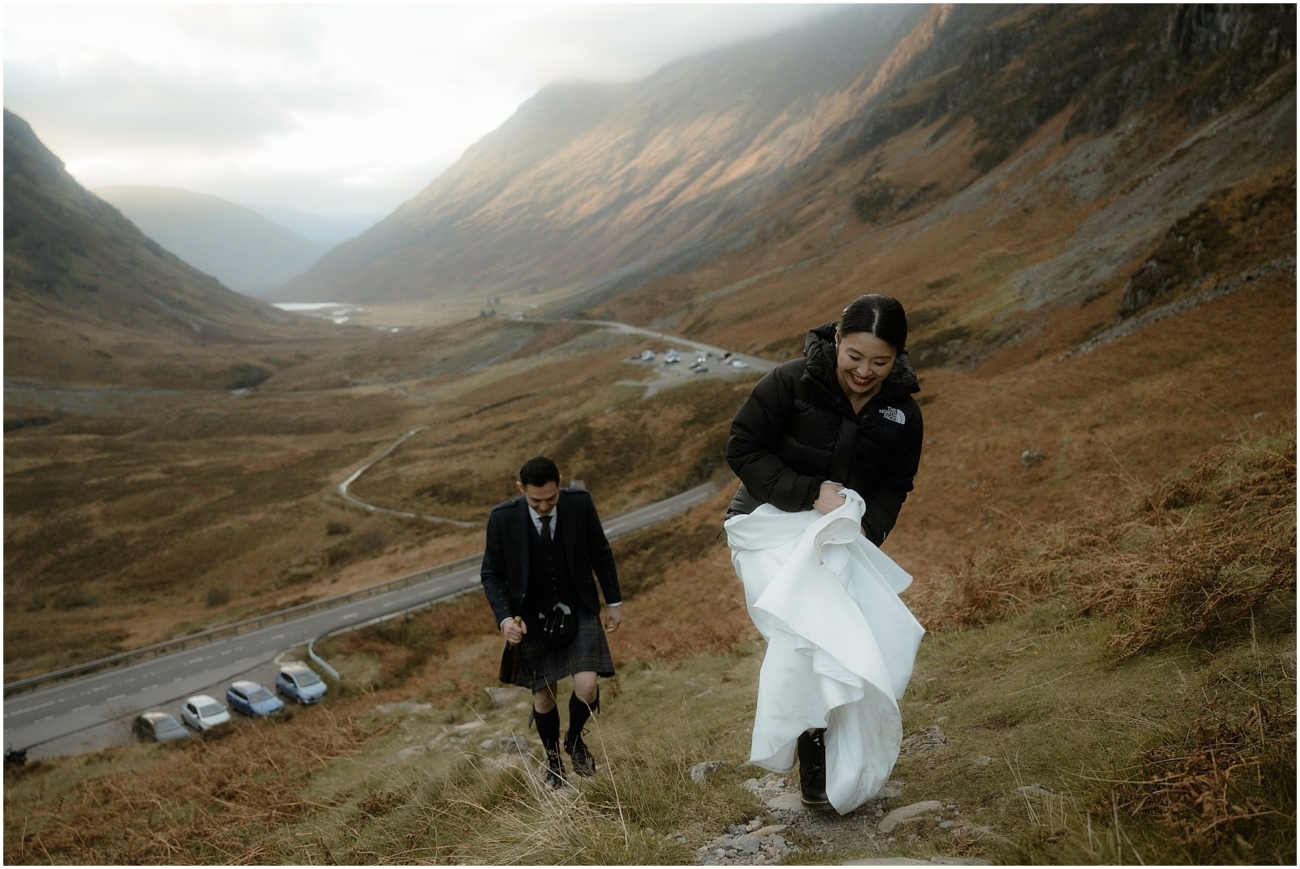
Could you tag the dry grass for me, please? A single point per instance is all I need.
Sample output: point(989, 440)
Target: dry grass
point(1195, 560)
point(195, 802)
point(1181, 754)
point(1225, 790)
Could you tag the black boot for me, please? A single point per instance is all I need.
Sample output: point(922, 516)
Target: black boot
point(579, 712)
point(548, 728)
point(554, 769)
point(812, 769)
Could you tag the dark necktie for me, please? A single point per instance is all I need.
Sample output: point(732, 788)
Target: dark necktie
point(547, 557)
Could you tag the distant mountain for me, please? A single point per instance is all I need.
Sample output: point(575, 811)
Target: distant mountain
point(326, 230)
point(876, 129)
point(239, 247)
point(91, 299)
point(586, 179)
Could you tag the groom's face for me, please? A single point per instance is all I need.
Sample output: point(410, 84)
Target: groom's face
point(541, 498)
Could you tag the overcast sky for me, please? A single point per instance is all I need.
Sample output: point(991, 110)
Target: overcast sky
point(327, 109)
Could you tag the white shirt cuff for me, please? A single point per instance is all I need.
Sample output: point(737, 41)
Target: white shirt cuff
point(615, 603)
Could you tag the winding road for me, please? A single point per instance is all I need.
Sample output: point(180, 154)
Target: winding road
point(94, 711)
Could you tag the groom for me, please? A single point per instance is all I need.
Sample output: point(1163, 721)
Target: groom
point(542, 549)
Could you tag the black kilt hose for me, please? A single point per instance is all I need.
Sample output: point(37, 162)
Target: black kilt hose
point(541, 665)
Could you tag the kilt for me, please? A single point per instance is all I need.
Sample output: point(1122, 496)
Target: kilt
point(541, 665)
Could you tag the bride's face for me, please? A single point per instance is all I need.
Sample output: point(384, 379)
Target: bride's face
point(862, 362)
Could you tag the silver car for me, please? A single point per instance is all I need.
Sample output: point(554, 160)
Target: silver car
point(203, 712)
point(157, 726)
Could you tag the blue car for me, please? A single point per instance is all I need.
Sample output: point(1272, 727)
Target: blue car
point(300, 682)
point(251, 698)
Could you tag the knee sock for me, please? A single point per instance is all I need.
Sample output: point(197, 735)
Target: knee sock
point(579, 712)
point(548, 728)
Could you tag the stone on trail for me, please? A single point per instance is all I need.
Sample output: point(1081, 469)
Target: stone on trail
point(701, 771)
point(907, 813)
point(786, 803)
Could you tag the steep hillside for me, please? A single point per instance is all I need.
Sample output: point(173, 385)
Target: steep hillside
point(1029, 181)
point(239, 247)
point(90, 299)
point(585, 179)
point(829, 138)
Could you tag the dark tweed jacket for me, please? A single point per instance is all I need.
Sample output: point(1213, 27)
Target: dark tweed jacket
point(505, 561)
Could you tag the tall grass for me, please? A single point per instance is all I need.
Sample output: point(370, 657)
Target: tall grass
point(1139, 664)
point(1195, 559)
point(1200, 566)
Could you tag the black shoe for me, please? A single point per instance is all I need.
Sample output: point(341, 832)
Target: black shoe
point(812, 769)
point(583, 762)
point(554, 770)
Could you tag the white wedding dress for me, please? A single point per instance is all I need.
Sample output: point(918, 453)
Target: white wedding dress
point(840, 642)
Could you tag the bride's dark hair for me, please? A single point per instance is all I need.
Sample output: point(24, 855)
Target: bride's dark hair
point(882, 316)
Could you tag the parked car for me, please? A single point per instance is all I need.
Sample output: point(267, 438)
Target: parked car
point(738, 363)
point(203, 712)
point(300, 682)
point(157, 726)
point(251, 698)
point(672, 356)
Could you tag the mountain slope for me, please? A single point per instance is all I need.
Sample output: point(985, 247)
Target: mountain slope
point(588, 178)
point(90, 299)
point(873, 115)
point(1030, 178)
point(242, 249)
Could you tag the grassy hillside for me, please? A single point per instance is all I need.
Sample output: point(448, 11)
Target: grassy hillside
point(131, 517)
point(1101, 287)
point(89, 299)
point(1097, 706)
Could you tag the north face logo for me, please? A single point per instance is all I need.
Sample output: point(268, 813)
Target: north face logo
point(893, 414)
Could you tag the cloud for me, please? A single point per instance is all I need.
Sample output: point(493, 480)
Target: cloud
point(288, 29)
point(369, 102)
point(623, 42)
point(333, 192)
point(113, 103)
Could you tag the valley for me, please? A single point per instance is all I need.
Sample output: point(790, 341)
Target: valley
point(1089, 216)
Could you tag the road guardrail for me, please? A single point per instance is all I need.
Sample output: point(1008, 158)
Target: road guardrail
point(181, 643)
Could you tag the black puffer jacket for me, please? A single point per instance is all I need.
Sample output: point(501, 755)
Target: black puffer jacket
point(797, 430)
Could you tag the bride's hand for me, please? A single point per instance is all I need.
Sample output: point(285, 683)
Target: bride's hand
point(829, 498)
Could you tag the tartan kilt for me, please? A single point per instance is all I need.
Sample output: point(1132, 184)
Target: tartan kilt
point(540, 665)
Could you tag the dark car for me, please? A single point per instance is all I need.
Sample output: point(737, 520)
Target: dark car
point(251, 698)
point(157, 727)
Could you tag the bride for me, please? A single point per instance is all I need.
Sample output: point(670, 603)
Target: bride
point(826, 448)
